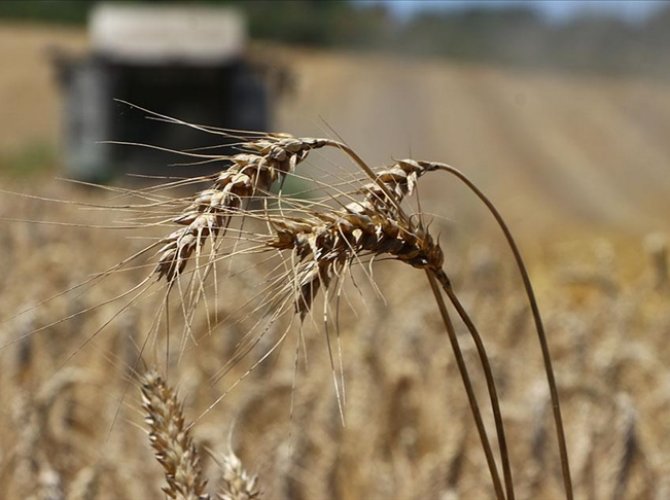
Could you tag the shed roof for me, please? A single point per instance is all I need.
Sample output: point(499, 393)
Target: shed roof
point(159, 33)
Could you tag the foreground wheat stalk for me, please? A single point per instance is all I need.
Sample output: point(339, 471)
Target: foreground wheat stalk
point(537, 318)
point(320, 243)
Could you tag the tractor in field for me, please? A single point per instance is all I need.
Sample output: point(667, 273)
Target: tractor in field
point(188, 62)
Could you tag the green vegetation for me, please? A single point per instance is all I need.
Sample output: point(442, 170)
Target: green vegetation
point(32, 158)
point(52, 11)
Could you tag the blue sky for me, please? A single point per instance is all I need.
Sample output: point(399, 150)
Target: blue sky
point(554, 10)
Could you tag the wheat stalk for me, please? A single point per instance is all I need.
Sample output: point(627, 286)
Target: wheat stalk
point(236, 482)
point(323, 244)
point(537, 318)
point(171, 440)
point(267, 161)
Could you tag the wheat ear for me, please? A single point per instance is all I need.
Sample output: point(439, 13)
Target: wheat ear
point(265, 161)
point(236, 482)
point(171, 440)
point(324, 245)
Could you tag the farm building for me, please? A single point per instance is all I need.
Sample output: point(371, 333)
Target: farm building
point(187, 62)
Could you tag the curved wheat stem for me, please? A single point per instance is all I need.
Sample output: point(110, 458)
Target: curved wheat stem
point(324, 243)
point(537, 318)
point(472, 399)
point(490, 383)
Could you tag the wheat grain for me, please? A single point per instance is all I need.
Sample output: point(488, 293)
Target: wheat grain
point(236, 482)
point(326, 245)
point(269, 160)
point(171, 440)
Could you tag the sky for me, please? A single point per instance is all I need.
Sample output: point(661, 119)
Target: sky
point(554, 10)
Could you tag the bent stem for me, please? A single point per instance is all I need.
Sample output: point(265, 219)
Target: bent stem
point(539, 327)
point(490, 383)
point(467, 383)
point(366, 168)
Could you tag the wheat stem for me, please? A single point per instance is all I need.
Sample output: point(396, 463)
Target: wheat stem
point(472, 399)
point(490, 383)
point(368, 171)
point(539, 326)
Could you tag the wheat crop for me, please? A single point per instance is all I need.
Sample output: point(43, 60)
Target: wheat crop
point(232, 270)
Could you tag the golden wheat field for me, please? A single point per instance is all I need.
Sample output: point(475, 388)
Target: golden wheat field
point(289, 347)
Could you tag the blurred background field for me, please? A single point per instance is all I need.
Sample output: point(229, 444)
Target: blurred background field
point(563, 122)
point(583, 141)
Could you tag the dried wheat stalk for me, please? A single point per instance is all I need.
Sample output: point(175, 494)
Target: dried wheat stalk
point(267, 161)
point(324, 243)
point(171, 440)
point(236, 482)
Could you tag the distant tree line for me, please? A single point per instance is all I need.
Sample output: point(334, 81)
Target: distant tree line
point(516, 36)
